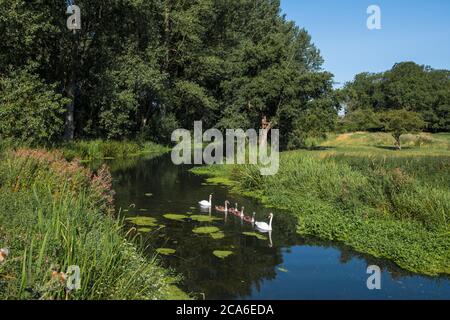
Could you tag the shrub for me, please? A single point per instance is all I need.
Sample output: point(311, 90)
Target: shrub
point(30, 110)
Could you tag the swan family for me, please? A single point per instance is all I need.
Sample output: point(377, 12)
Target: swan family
point(261, 226)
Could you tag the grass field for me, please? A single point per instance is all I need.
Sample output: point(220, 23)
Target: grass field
point(356, 189)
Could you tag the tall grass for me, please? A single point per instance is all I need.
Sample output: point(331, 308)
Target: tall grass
point(55, 214)
point(100, 149)
point(390, 205)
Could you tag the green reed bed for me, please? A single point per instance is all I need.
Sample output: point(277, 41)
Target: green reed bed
point(395, 207)
point(105, 149)
point(55, 214)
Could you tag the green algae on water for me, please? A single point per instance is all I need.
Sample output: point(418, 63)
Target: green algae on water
point(206, 230)
point(165, 251)
point(176, 217)
point(256, 235)
point(143, 221)
point(200, 218)
point(222, 254)
point(217, 235)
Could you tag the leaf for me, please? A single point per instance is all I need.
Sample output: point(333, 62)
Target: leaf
point(176, 217)
point(222, 254)
point(205, 230)
point(165, 251)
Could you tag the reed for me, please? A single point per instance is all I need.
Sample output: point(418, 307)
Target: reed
point(390, 204)
point(55, 214)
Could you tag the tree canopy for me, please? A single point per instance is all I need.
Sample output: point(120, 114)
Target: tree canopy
point(408, 86)
point(144, 68)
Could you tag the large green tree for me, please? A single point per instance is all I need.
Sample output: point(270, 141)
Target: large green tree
point(143, 68)
point(407, 86)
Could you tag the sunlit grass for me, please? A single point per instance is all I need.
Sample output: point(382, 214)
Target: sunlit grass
point(357, 189)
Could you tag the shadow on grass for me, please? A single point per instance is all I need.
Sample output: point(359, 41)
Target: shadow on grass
point(320, 148)
point(393, 148)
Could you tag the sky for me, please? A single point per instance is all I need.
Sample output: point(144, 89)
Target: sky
point(411, 30)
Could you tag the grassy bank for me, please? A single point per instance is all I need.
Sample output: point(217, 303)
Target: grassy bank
point(55, 214)
point(390, 204)
point(102, 149)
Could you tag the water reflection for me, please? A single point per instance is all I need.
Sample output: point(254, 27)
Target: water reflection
point(275, 265)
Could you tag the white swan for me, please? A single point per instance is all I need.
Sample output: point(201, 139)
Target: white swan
point(263, 226)
point(205, 203)
point(242, 213)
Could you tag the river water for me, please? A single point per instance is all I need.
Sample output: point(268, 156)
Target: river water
point(280, 265)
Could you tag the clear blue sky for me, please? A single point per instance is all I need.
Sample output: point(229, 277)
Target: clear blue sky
point(412, 30)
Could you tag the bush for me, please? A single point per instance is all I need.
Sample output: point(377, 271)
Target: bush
point(30, 110)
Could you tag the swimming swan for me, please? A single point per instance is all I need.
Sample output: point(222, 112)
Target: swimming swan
point(263, 226)
point(205, 203)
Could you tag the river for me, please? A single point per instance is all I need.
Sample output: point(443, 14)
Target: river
point(280, 265)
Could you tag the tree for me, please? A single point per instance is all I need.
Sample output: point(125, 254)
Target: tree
point(407, 86)
point(144, 67)
point(399, 122)
point(30, 110)
point(361, 120)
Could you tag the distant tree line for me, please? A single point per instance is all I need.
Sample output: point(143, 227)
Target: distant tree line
point(140, 69)
point(407, 91)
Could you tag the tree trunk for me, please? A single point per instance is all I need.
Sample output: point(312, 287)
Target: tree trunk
point(69, 126)
point(265, 128)
point(398, 144)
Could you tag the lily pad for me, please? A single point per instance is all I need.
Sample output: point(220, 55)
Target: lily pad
point(282, 270)
point(200, 218)
point(149, 194)
point(176, 217)
point(217, 235)
point(165, 251)
point(143, 221)
point(206, 230)
point(145, 230)
point(143, 210)
point(256, 235)
point(222, 254)
point(192, 208)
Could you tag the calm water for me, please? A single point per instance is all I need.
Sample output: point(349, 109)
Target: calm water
point(281, 266)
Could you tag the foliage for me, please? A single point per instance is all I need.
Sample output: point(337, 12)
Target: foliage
point(99, 149)
point(30, 110)
point(387, 204)
point(399, 122)
point(52, 218)
point(160, 65)
point(407, 86)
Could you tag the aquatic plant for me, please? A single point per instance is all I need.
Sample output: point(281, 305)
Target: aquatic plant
point(143, 221)
point(222, 254)
point(200, 218)
point(217, 235)
point(206, 230)
point(166, 251)
point(176, 217)
point(256, 235)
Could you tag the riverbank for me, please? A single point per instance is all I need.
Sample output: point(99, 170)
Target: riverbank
point(55, 214)
point(355, 190)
